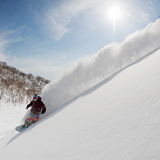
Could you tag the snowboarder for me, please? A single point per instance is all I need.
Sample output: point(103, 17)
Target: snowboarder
point(37, 108)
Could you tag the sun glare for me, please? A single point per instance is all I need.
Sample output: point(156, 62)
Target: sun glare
point(114, 13)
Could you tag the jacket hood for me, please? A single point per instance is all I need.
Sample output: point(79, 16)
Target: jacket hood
point(39, 98)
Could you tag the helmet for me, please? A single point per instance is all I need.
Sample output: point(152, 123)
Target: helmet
point(35, 97)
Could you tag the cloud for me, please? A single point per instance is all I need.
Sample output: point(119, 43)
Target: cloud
point(58, 18)
point(4, 43)
point(47, 71)
point(139, 11)
point(139, 16)
point(38, 66)
point(7, 38)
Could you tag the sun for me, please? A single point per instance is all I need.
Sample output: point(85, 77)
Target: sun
point(114, 13)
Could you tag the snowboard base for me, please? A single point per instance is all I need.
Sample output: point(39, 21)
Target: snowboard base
point(20, 129)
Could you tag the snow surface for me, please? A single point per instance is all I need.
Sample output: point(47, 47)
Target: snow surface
point(10, 116)
point(116, 118)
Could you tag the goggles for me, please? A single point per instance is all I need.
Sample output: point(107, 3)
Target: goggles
point(35, 97)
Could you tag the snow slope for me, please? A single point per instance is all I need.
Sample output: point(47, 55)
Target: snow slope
point(118, 119)
point(86, 73)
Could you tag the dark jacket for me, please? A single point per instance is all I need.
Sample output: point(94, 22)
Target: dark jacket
point(38, 106)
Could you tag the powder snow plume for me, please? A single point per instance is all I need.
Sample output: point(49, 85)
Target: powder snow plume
point(92, 70)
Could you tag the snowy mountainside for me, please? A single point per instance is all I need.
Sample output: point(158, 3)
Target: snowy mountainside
point(117, 119)
point(18, 87)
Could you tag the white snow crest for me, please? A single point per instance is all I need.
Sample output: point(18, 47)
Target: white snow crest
point(110, 59)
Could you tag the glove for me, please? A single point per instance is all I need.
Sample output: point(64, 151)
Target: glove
point(43, 111)
point(27, 107)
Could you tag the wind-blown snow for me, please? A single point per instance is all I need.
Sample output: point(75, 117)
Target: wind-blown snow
point(110, 59)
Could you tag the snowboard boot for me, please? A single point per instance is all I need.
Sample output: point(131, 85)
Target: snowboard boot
point(24, 126)
point(27, 123)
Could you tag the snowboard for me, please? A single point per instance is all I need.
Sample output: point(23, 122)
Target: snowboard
point(20, 129)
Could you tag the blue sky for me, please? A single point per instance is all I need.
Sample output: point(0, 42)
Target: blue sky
point(44, 37)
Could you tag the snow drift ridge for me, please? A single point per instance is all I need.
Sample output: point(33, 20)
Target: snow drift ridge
point(92, 70)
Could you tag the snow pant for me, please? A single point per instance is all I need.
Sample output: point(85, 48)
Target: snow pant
point(31, 119)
